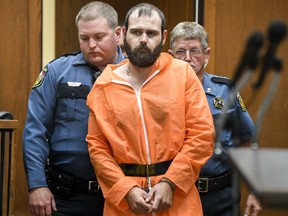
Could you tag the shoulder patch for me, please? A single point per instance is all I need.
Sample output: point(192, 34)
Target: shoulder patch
point(223, 80)
point(241, 103)
point(40, 77)
point(73, 53)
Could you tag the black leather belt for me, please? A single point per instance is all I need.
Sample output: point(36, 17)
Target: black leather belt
point(206, 184)
point(67, 185)
point(89, 187)
point(144, 170)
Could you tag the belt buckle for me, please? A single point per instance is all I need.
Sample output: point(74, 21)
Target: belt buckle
point(93, 186)
point(201, 182)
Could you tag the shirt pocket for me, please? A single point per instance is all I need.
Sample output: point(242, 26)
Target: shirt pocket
point(72, 102)
point(228, 126)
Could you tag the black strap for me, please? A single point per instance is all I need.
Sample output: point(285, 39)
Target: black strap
point(90, 187)
point(207, 184)
point(144, 170)
point(67, 185)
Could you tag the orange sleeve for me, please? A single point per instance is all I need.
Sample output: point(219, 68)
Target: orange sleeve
point(114, 184)
point(199, 139)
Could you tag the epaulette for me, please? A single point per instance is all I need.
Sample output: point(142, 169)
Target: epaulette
point(223, 80)
point(65, 55)
point(73, 53)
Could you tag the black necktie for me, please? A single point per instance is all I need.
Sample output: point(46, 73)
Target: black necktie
point(96, 75)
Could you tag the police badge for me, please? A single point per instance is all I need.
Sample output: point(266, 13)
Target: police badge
point(218, 102)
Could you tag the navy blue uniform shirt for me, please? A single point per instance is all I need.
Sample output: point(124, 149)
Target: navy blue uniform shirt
point(217, 91)
point(57, 119)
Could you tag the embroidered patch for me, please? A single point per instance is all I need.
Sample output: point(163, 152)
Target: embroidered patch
point(242, 105)
point(41, 77)
point(218, 102)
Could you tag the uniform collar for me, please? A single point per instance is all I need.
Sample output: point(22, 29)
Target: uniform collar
point(208, 85)
point(80, 60)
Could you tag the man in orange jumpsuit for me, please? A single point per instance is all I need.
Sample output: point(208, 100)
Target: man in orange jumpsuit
point(150, 127)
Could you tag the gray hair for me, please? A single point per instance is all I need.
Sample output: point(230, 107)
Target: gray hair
point(98, 9)
point(189, 31)
point(146, 9)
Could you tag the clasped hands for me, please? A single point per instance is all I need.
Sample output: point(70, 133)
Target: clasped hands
point(159, 198)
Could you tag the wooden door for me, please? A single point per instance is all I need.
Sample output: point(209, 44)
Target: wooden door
point(20, 63)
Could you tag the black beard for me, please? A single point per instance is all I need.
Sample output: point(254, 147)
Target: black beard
point(142, 56)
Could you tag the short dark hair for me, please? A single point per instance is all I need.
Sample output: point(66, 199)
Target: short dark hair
point(146, 9)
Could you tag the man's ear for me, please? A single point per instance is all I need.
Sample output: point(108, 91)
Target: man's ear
point(118, 32)
point(207, 55)
point(164, 36)
point(170, 52)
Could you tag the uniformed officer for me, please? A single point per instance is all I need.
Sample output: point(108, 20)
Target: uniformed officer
point(61, 179)
point(189, 42)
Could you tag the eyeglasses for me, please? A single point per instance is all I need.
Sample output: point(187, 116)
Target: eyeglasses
point(193, 52)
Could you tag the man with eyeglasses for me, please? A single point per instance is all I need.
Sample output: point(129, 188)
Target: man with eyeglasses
point(189, 42)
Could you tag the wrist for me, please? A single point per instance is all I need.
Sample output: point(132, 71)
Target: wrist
point(169, 182)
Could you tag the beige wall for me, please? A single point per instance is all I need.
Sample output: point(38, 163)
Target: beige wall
point(48, 36)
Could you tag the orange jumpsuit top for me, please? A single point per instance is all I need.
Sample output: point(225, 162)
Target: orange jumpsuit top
point(168, 118)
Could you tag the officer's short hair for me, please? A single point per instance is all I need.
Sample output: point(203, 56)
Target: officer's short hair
point(98, 9)
point(189, 31)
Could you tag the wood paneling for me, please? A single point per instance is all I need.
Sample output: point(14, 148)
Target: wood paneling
point(229, 23)
point(66, 10)
point(20, 61)
point(8, 132)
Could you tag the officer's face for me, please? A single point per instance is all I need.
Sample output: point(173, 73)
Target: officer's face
point(192, 52)
point(98, 42)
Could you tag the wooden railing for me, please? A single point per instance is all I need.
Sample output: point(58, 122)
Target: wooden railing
point(8, 130)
